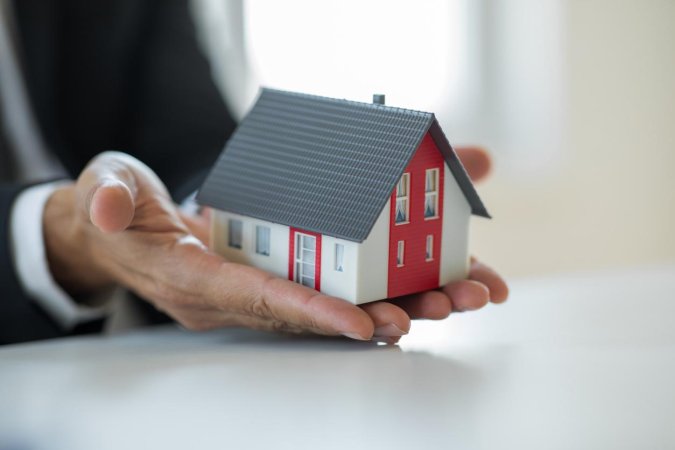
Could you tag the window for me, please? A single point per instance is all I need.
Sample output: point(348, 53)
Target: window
point(431, 194)
point(339, 257)
point(262, 240)
point(234, 233)
point(430, 248)
point(400, 253)
point(402, 197)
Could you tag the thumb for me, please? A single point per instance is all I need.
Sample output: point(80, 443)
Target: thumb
point(107, 191)
point(112, 206)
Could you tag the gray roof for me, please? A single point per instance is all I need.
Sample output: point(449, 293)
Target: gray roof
point(321, 164)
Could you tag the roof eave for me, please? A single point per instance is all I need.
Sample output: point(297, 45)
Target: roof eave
point(457, 169)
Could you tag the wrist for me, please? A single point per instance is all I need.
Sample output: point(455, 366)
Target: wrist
point(68, 246)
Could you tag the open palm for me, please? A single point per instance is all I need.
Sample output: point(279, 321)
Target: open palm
point(135, 236)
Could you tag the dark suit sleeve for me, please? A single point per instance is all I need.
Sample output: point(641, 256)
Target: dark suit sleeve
point(20, 318)
point(180, 121)
point(126, 75)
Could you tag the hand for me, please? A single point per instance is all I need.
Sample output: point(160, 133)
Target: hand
point(117, 224)
point(392, 317)
point(483, 284)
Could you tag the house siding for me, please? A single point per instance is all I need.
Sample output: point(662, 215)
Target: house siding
point(417, 273)
point(367, 265)
point(276, 262)
point(373, 254)
point(455, 248)
point(364, 275)
point(340, 284)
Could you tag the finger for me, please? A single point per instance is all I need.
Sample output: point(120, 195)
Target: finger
point(389, 319)
point(198, 226)
point(106, 192)
point(434, 305)
point(283, 304)
point(499, 290)
point(314, 311)
point(467, 295)
point(112, 206)
point(387, 340)
point(476, 161)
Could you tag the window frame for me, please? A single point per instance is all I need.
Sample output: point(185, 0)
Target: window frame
point(400, 254)
point(431, 193)
point(235, 234)
point(403, 181)
point(339, 257)
point(429, 248)
point(261, 230)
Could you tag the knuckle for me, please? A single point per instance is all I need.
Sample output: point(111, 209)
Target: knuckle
point(256, 303)
point(309, 319)
point(258, 307)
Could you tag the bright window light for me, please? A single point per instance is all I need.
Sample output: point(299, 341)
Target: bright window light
point(411, 51)
point(493, 72)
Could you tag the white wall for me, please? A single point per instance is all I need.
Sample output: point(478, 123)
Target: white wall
point(339, 284)
point(365, 273)
point(365, 276)
point(455, 237)
point(611, 201)
point(277, 261)
point(373, 262)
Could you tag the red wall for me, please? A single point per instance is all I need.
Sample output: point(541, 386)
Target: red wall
point(417, 274)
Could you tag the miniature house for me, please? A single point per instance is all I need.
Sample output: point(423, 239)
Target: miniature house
point(360, 201)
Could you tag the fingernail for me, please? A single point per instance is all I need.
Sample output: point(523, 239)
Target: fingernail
point(389, 330)
point(387, 340)
point(355, 336)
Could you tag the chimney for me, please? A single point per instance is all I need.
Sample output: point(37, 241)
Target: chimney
point(378, 99)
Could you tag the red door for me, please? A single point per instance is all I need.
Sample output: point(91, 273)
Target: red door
point(304, 258)
point(415, 225)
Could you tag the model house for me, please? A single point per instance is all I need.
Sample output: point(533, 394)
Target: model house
point(358, 200)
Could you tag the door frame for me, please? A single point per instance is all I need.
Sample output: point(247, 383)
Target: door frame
point(293, 232)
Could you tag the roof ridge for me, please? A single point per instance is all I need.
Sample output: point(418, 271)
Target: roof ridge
point(344, 100)
point(321, 164)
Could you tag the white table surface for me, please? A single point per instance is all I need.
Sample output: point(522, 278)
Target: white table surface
point(583, 361)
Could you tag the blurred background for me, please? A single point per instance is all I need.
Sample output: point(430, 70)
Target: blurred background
point(575, 100)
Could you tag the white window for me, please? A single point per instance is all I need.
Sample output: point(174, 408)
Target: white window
point(262, 240)
point(400, 253)
point(305, 259)
point(339, 257)
point(402, 199)
point(234, 228)
point(430, 248)
point(431, 194)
